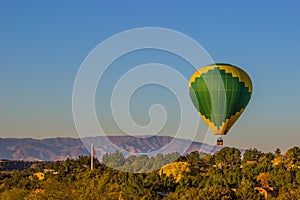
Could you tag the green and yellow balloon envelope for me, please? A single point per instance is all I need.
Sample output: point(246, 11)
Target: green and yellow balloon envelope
point(220, 92)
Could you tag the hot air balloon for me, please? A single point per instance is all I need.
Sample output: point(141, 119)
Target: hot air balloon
point(220, 92)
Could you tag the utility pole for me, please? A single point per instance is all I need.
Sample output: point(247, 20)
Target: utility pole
point(92, 156)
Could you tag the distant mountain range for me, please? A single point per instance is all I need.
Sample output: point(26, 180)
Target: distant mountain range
point(61, 148)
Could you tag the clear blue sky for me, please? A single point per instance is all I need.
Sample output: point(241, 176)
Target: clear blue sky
point(43, 43)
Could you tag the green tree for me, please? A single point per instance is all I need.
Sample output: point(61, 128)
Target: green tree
point(292, 157)
point(232, 177)
point(289, 192)
point(281, 176)
point(246, 191)
point(219, 192)
point(228, 157)
point(277, 152)
point(264, 179)
point(139, 163)
point(251, 155)
point(264, 163)
point(297, 177)
point(193, 158)
point(14, 194)
point(113, 160)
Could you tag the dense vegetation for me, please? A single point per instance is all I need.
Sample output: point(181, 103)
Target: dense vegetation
point(224, 175)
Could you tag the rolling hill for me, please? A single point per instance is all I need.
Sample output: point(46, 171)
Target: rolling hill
point(51, 149)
